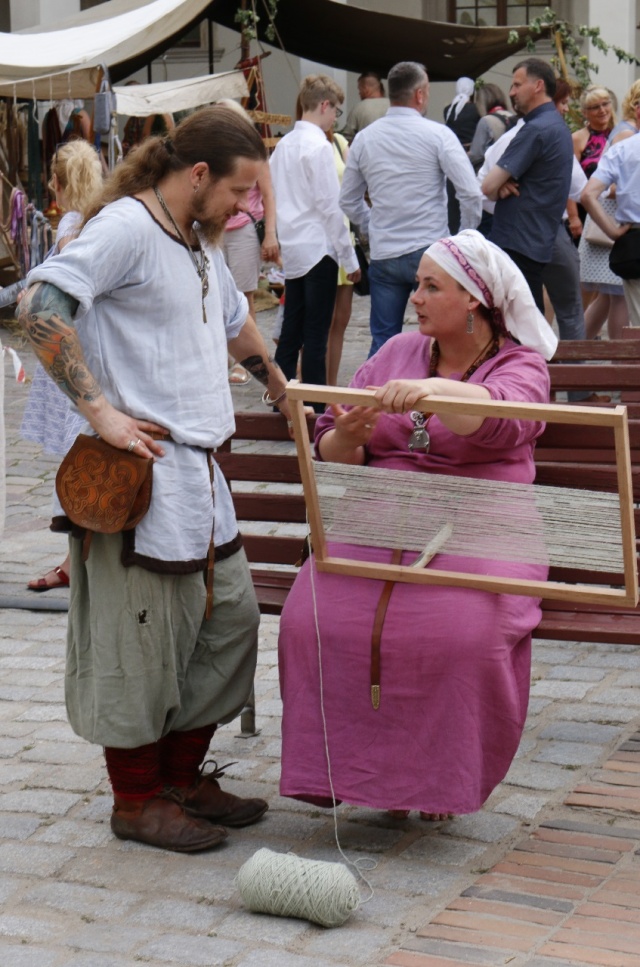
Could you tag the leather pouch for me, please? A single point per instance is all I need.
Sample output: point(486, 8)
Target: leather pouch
point(103, 488)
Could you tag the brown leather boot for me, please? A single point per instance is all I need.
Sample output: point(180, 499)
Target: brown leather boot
point(206, 800)
point(163, 822)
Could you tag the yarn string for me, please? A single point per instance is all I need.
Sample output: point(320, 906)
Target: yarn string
point(487, 519)
point(363, 863)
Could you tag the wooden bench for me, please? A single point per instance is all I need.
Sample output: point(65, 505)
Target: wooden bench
point(605, 366)
point(270, 508)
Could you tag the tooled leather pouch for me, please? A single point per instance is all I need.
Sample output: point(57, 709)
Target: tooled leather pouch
point(103, 488)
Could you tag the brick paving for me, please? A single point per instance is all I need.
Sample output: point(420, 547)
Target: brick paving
point(545, 875)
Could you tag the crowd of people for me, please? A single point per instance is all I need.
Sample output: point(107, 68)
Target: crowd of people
point(134, 321)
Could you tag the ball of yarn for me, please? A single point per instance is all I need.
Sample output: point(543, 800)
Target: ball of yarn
point(289, 886)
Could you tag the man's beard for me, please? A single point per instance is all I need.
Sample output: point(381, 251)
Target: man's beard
point(211, 229)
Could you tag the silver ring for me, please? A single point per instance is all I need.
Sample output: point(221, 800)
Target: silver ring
point(132, 445)
point(290, 424)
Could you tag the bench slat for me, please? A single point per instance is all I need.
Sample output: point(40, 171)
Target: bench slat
point(584, 476)
point(583, 626)
point(282, 508)
point(264, 467)
point(586, 349)
point(272, 549)
point(586, 376)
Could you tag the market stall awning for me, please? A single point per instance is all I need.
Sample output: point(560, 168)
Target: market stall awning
point(127, 30)
point(127, 34)
point(80, 82)
point(354, 39)
point(167, 97)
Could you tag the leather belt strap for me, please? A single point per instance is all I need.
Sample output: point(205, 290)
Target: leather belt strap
point(211, 556)
point(376, 635)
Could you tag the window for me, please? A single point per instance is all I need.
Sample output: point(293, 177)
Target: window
point(493, 13)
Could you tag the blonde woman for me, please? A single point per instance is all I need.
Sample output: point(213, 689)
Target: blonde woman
point(599, 116)
point(49, 419)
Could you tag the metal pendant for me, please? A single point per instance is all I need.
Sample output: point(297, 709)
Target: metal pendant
point(419, 439)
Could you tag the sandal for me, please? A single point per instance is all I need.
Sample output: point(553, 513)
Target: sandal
point(426, 817)
point(238, 375)
point(56, 578)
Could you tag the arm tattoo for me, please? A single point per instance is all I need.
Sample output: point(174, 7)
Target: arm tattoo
point(45, 315)
point(258, 368)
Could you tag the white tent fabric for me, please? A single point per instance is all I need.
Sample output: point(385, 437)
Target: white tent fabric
point(24, 55)
point(141, 100)
point(80, 83)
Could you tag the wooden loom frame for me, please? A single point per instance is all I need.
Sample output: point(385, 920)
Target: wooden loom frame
point(614, 417)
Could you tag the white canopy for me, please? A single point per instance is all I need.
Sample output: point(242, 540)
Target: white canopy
point(113, 40)
point(82, 82)
point(140, 100)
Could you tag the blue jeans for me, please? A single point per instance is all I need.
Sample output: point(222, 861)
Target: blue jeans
point(391, 281)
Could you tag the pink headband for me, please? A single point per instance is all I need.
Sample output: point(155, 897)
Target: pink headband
point(477, 279)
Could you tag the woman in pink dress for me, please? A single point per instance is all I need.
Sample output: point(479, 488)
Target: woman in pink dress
point(455, 663)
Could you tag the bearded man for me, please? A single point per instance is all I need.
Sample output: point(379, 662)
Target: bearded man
point(133, 321)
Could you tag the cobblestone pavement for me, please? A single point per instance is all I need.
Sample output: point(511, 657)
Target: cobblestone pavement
point(73, 896)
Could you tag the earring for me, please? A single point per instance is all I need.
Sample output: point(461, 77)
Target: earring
point(196, 187)
point(469, 321)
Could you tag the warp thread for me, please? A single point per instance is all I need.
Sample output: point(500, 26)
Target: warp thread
point(290, 886)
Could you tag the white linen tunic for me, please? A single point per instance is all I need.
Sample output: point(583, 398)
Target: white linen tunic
point(141, 328)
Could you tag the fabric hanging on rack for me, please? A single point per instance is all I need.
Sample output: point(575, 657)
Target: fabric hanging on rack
point(30, 232)
point(34, 158)
point(18, 231)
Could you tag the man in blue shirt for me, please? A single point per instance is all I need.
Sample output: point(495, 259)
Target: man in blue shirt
point(530, 183)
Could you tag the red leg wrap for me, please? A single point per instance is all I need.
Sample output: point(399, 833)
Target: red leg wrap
point(182, 753)
point(135, 773)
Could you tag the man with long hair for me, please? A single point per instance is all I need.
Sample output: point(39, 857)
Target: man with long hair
point(133, 321)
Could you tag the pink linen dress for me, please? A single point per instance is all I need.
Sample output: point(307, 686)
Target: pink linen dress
point(455, 663)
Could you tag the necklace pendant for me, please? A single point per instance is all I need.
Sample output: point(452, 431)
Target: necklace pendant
point(419, 439)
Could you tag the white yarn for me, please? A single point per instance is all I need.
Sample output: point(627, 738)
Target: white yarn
point(289, 886)
point(486, 519)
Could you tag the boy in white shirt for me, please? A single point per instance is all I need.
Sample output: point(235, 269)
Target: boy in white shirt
point(314, 239)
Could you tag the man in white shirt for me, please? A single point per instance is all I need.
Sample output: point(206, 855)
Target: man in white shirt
point(314, 239)
point(620, 166)
point(403, 161)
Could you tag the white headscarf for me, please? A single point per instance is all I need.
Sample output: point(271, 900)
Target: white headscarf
point(488, 274)
point(464, 91)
